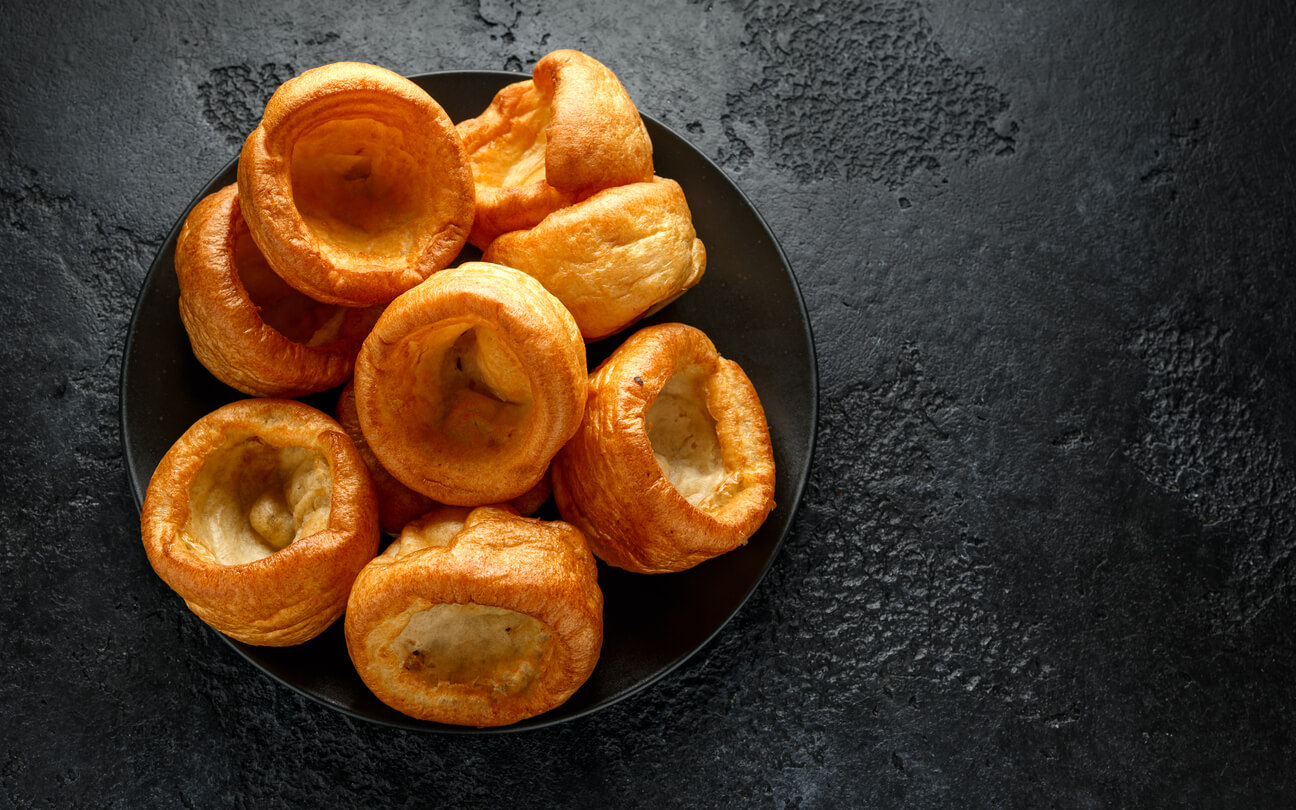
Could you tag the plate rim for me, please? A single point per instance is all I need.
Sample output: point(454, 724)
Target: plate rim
point(539, 721)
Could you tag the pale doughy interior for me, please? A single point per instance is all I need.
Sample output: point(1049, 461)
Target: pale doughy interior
point(297, 317)
point(683, 437)
point(357, 188)
point(250, 500)
point(516, 157)
point(472, 392)
point(477, 645)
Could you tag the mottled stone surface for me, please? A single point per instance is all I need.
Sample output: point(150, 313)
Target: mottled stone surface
point(1048, 548)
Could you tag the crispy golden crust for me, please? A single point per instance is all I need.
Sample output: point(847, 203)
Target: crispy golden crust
point(246, 479)
point(249, 329)
point(673, 463)
point(355, 185)
point(478, 618)
point(397, 503)
point(545, 143)
point(506, 146)
point(469, 384)
point(613, 258)
point(529, 502)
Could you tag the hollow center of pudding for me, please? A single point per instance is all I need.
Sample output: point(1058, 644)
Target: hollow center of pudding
point(516, 156)
point(358, 187)
point(472, 392)
point(477, 645)
point(251, 499)
point(297, 317)
point(683, 436)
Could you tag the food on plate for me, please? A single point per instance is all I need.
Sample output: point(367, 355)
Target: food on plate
point(355, 185)
point(477, 617)
point(529, 502)
point(672, 464)
point(327, 262)
point(613, 258)
point(469, 384)
point(260, 516)
point(397, 503)
point(542, 144)
point(246, 326)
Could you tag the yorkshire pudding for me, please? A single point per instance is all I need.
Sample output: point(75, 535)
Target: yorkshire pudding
point(397, 503)
point(260, 516)
point(545, 143)
point(613, 258)
point(478, 618)
point(469, 384)
point(355, 185)
point(247, 327)
point(672, 464)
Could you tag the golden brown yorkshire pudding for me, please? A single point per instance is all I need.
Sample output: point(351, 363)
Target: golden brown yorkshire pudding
point(478, 617)
point(673, 463)
point(469, 384)
point(613, 258)
point(529, 502)
point(260, 516)
point(545, 143)
point(247, 327)
point(397, 503)
point(355, 185)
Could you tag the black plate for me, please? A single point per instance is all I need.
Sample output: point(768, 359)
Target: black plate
point(748, 303)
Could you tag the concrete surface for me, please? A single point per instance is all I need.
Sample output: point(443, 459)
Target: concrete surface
point(1047, 553)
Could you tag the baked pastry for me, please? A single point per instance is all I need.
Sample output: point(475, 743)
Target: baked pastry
point(397, 503)
point(479, 618)
point(529, 502)
point(247, 327)
point(673, 463)
point(469, 384)
point(545, 143)
point(355, 184)
point(260, 516)
point(613, 258)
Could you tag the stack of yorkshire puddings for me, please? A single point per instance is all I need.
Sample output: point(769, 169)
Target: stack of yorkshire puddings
point(467, 397)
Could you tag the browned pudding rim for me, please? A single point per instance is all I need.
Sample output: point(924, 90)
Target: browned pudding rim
point(628, 201)
point(225, 326)
point(299, 105)
point(559, 588)
point(544, 340)
point(579, 158)
point(607, 480)
point(248, 591)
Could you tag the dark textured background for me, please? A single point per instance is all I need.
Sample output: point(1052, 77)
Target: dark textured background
point(1046, 556)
